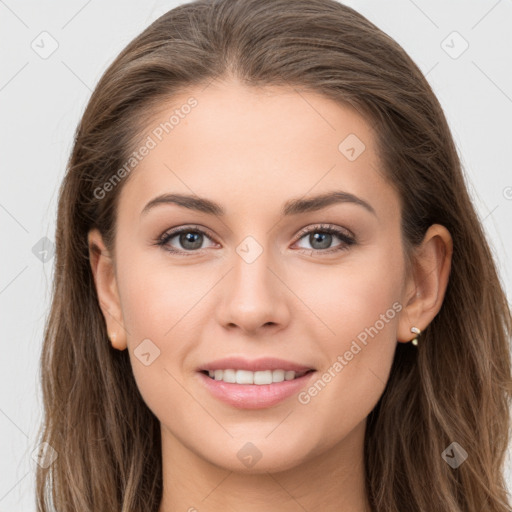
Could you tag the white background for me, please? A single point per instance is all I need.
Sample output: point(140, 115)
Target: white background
point(41, 101)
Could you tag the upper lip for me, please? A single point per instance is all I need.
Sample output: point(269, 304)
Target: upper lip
point(264, 363)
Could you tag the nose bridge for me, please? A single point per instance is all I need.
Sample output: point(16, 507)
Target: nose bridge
point(253, 296)
point(251, 274)
point(254, 252)
point(251, 262)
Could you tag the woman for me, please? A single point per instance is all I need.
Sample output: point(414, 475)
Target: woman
point(272, 291)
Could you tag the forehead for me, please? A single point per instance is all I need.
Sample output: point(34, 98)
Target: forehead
point(239, 145)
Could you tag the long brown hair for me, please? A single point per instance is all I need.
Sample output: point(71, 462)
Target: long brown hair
point(455, 387)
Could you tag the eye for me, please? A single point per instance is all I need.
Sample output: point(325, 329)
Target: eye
point(320, 238)
point(190, 238)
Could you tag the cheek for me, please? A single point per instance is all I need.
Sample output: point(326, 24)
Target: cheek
point(155, 301)
point(156, 296)
point(359, 304)
point(352, 296)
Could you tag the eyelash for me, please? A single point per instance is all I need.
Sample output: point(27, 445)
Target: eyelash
point(346, 240)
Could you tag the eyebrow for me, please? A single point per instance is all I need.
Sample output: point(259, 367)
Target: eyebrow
point(291, 207)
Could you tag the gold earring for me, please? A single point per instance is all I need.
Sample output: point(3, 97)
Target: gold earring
point(416, 331)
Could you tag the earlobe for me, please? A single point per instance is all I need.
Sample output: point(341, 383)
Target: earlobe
point(426, 286)
point(102, 267)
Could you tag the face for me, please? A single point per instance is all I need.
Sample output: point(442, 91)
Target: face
point(267, 272)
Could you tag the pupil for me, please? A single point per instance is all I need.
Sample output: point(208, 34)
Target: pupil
point(325, 240)
point(191, 238)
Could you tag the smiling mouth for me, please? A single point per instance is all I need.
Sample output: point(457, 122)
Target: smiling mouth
point(263, 377)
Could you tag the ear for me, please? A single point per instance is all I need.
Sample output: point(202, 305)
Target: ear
point(103, 270)
point(426, 285)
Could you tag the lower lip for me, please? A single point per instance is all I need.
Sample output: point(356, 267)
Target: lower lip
point(254, 396)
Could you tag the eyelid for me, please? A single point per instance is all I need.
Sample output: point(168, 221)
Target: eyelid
point(338, 230)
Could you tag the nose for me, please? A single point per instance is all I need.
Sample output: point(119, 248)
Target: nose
point(254, 298)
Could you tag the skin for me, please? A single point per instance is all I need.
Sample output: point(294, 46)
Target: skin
point(251, 150)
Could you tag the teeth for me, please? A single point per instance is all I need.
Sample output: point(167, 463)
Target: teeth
point(259, 378)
